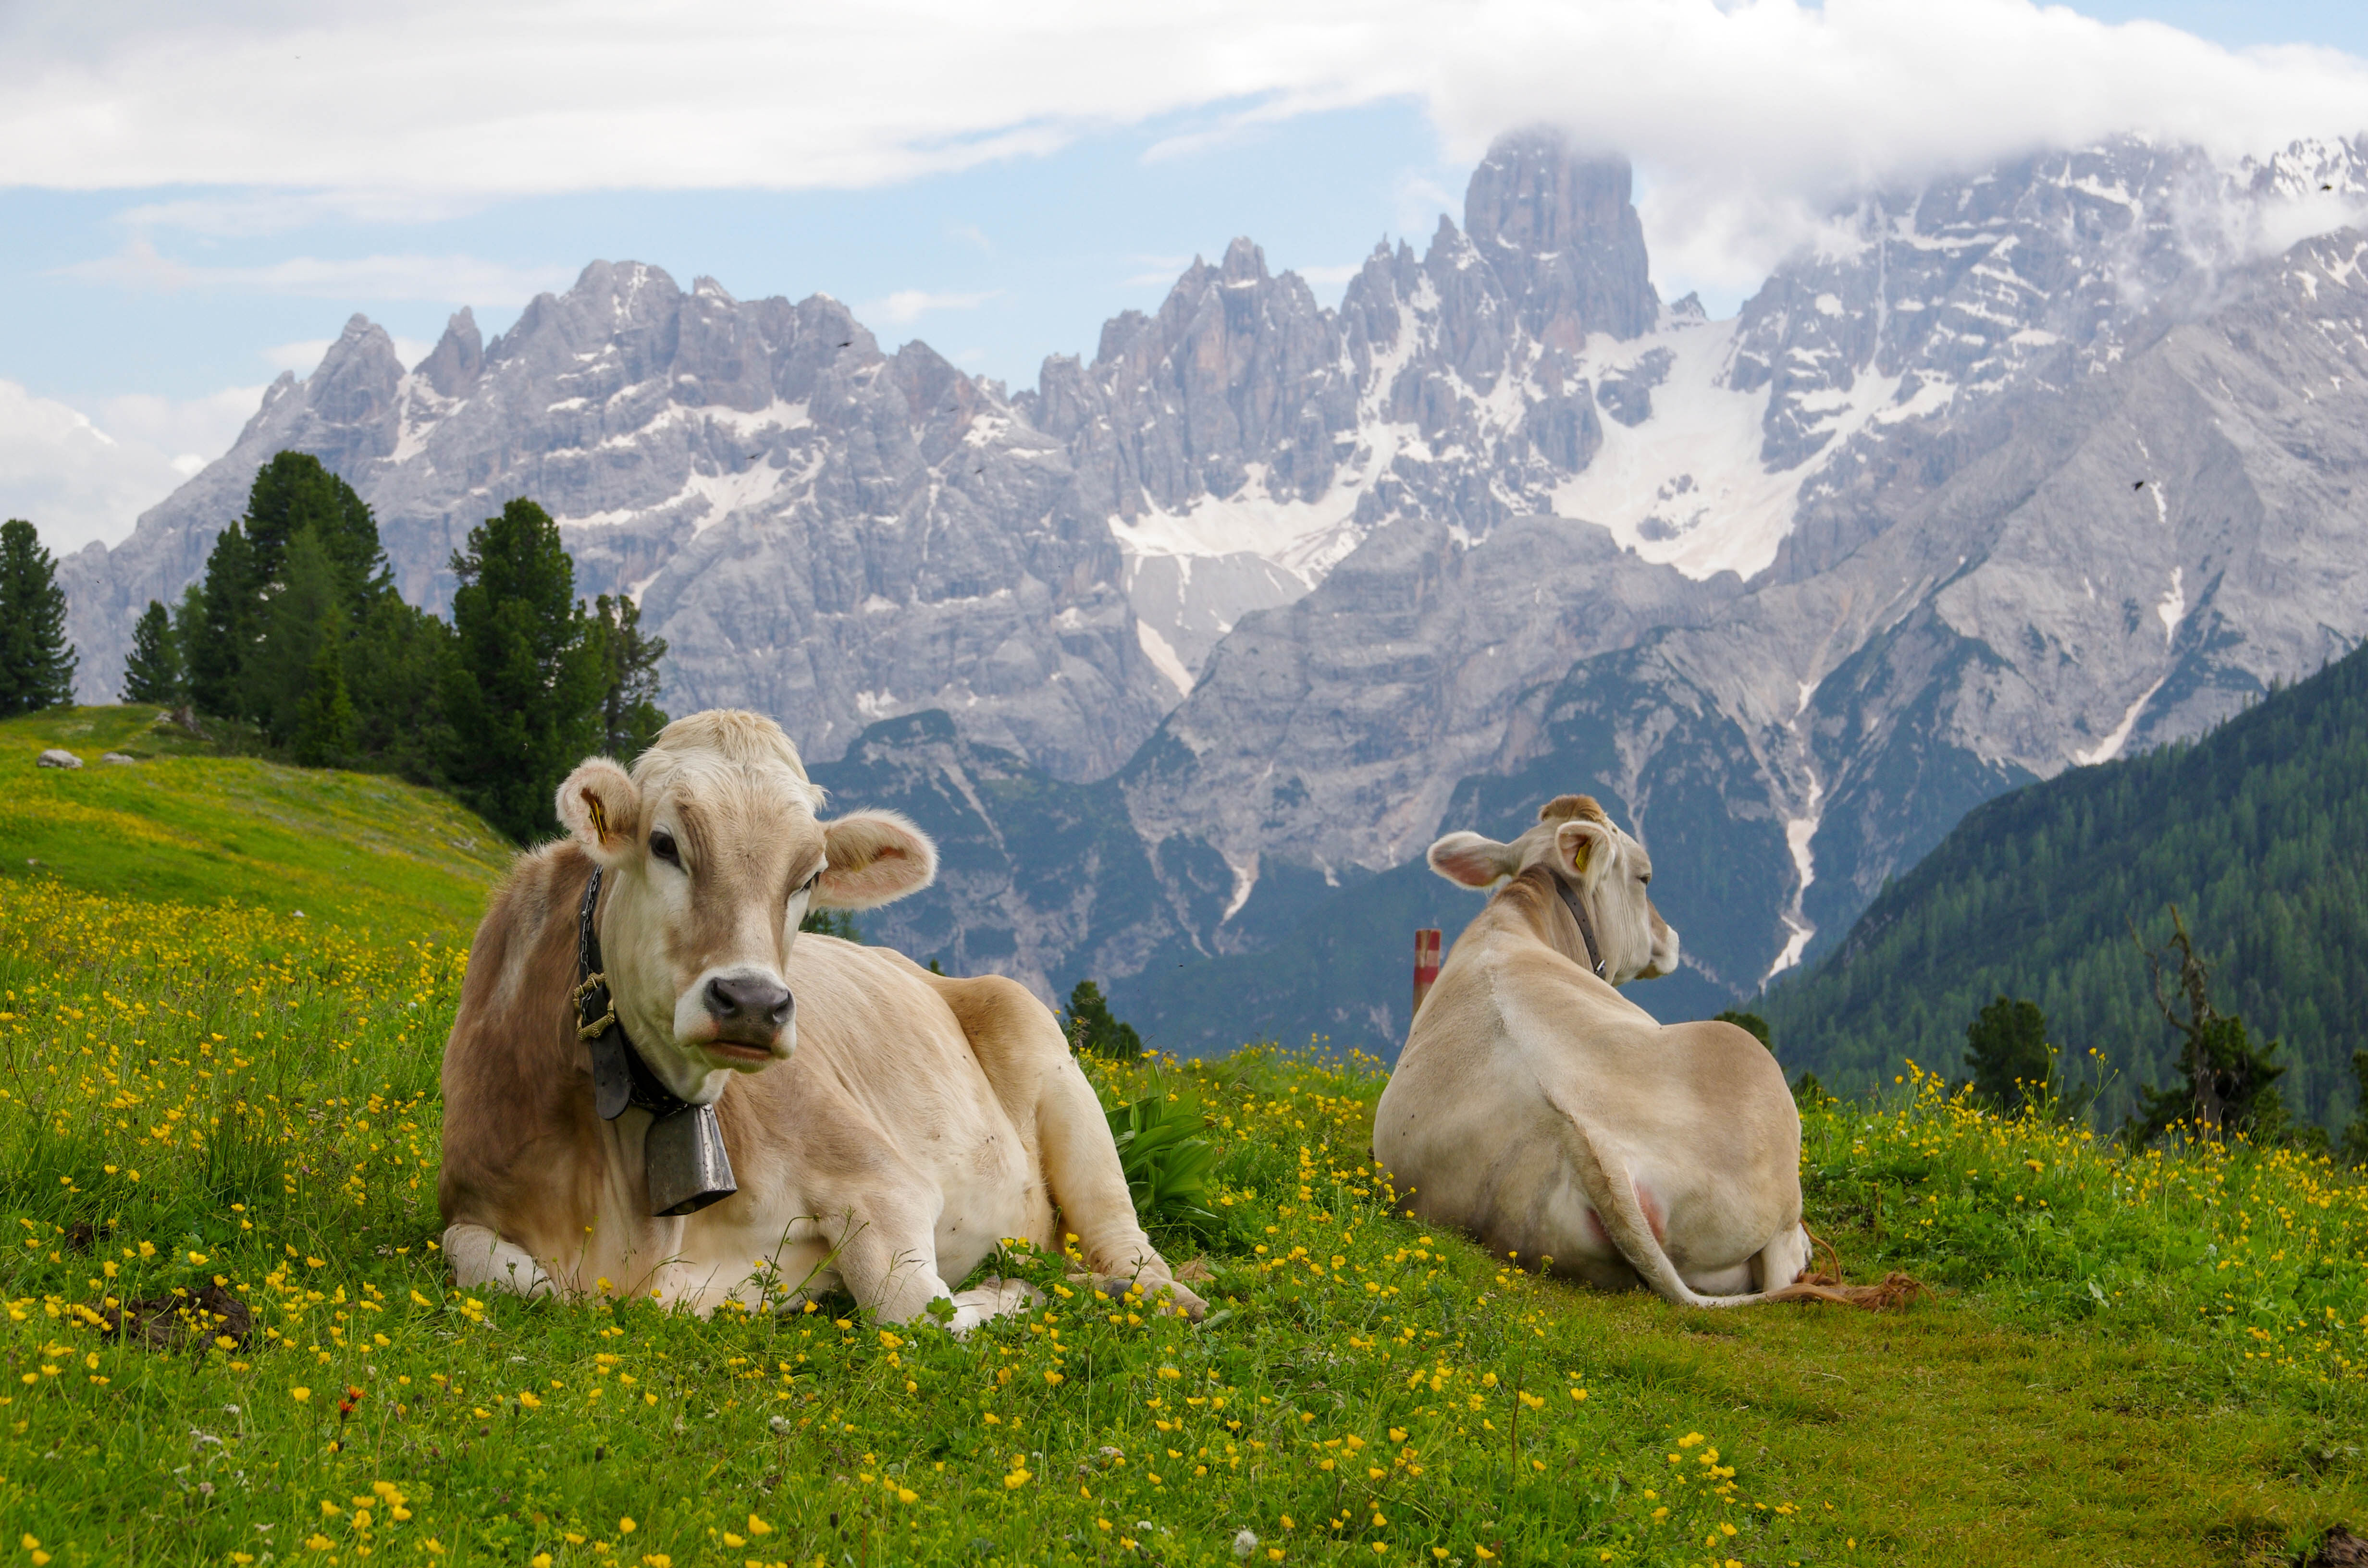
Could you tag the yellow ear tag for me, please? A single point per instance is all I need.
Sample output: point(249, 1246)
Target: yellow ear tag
point(1578, 855)
point(599, 814)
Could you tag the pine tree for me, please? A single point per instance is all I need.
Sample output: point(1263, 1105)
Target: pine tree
point(2007, 1052)
point(36, 664)
point(293, 493)
point(1094, 1031)
point(2230, 1084)
point(227, 622)
point(292, 497)
point(524, 694)
point(2353, 1148)
point(839, 922)
point(307, 606)
point(1751, 1024)
point(629, 716)
point(396, 668)
point(323, 721)
point(152, 672)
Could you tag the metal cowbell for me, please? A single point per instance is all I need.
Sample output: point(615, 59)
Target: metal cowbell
point(685, 1162)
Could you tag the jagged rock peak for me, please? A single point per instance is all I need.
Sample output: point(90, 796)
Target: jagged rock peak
point(1561, 232)
point(458, 357)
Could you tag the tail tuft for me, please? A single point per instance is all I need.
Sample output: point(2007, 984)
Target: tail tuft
point(1895, 1291)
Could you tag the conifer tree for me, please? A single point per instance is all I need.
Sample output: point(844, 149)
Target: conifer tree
point(2230, 1084)
point(36, 664)
point(629, 716)
point(2007, 1052)
point(307, 606)
point(523, 695)
point(1095, 1031)
point(324, 720)
point(227, 624)
point(152, 672)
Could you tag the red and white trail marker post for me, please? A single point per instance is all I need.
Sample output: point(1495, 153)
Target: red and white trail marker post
point(1426, 964)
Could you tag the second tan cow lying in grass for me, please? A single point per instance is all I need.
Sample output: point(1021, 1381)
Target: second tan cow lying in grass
point(886, 1127)
point(1538, 1107)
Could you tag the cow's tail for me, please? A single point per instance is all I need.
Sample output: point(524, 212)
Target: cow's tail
point(1614, 1192)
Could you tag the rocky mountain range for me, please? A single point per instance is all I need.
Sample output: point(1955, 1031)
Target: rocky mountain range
point(1195, 646)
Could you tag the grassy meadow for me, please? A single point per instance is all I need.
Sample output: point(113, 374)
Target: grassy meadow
point(230, 1339)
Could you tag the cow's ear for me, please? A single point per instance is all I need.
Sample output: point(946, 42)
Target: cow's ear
point(1469, 861)
point(601, 809)
point(1584, 850)
point(873, 858)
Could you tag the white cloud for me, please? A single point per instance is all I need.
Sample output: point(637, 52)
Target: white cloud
point(139, 265)
point(1721, 98)
point(79, 480)
point(908, 305)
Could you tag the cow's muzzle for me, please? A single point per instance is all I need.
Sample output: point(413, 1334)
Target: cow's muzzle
point(749, 1010)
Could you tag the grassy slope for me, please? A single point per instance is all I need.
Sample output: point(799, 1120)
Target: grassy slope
point(2150, 1362)
point(366, 851)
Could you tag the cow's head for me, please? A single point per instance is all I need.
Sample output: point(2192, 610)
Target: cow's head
point(711, 855)
point(1609, 871)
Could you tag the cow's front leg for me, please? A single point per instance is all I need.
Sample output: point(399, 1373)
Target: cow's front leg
point(993, 1297)
point(888, 1261)
point(481, 1260)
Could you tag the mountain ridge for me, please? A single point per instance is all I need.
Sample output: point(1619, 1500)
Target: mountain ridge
point(2015, 471)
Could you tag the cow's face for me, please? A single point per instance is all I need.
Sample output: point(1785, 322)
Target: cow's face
point(1607, 869)
point(711, 855)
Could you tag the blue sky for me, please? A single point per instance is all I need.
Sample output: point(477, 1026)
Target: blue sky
point(168, 243)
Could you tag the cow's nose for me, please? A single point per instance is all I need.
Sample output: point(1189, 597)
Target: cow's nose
point(746, 1000)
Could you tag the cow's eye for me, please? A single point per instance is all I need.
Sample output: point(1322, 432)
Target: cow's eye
point(1646, 878)
point(662, 846)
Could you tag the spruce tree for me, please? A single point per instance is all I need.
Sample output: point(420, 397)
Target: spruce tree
point(36, 664)
point(228, 622)
point(2006, 1051)
point(152, 672)
point(292, 496)
point(629, 716)
point(2230, 1084)
point(323, 721)
point(307, 606)
point(1751, 1024)
point(293, 493)
point(1095, 1031)
point(523, 695)
point(396, 668)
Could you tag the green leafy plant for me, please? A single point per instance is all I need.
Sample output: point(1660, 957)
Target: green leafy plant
point(1168, 1163)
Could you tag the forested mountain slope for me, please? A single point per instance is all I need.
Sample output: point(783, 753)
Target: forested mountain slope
point(2258, 830)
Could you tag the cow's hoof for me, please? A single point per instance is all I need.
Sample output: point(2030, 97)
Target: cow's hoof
point(993, 1299)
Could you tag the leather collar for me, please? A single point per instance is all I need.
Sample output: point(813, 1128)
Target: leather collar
point(619, 1077)
point(1570, 899)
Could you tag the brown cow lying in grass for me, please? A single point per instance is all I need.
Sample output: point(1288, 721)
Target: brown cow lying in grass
point(886, 1128)
point(1538, 1107)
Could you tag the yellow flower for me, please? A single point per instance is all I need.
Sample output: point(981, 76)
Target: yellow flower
point(758, 1527)
point(626, 1526)
point(530, 1402)
point(730, 1539)
point(300, 1394)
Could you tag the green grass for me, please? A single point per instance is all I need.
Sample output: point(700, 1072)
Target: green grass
point(2139, 1360)
point(185, 825)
